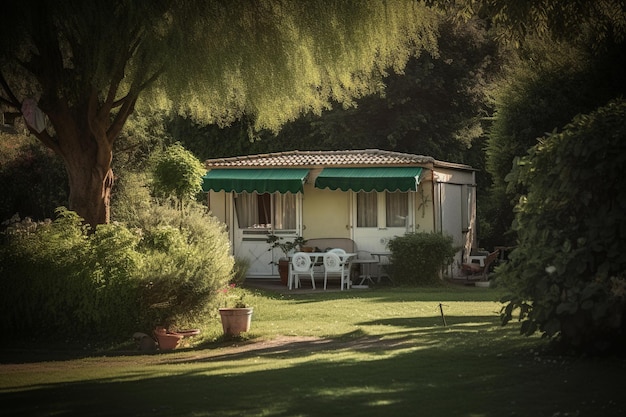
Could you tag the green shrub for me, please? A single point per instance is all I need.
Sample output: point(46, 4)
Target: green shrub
point(59, 281)
point(240, 269)
point(567, 277)
point(184, 267)
point(418, 258)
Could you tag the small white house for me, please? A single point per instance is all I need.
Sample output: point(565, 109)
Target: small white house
point(368, 196)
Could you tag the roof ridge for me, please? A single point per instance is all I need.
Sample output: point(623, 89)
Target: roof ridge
point(346, 157)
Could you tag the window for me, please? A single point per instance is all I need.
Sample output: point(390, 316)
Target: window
point(373, 209)
point(266, 210)
point(397, 208)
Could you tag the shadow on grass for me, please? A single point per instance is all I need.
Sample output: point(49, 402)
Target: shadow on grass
point(413, 366)
point(425, 371)
point(394, 294)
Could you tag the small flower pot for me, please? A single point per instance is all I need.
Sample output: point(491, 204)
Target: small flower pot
point(236, 320)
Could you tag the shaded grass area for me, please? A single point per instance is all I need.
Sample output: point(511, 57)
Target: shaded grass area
point(374, 353)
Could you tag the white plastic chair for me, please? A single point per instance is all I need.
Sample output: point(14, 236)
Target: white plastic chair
point(301, 264)
point(337, 250)
point(334, 265)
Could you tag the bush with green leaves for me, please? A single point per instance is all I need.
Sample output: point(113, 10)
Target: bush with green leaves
point(240, 270)
point(58, 280)
point(567, 277)
point(418, 258)
point(184, 266)
point(62, 281)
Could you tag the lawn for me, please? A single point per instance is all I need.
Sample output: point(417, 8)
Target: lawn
point(383, 352)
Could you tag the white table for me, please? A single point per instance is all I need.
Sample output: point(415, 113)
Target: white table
point(317, 258)
point(367, 269)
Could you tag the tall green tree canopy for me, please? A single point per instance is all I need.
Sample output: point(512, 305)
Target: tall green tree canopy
point(85, 65)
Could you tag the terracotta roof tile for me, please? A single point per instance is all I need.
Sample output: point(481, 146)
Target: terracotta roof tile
point(368, 157)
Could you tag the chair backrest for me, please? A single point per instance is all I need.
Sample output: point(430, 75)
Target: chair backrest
point(490, 259)
point(337, 250)
point(301, 262)
point(332, 262)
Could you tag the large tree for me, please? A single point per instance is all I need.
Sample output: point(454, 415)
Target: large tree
point(435, 107)
point(77, 69)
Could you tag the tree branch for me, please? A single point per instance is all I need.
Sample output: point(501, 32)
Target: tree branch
point(127, 109)
point(118, 75)
point(46, 139)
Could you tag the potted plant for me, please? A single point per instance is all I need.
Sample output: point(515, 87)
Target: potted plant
point(286, 246)
point(236, 315)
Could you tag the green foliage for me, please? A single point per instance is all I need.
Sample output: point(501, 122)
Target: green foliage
point(33, 181)
point(184, 266)
point(240, 269)
point(217, 60)
point(545, 88)
point(418, 258)
point(434, 107)
point(596, 22)
point(178, 172)
point(286, 246)
point(568, 273)
point(60, 281)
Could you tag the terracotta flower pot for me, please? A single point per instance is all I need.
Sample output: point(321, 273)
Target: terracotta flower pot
point(236, 320)
point(283, 271)
point(167, 340)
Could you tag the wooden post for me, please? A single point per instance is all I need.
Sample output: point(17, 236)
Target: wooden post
point(443, 318)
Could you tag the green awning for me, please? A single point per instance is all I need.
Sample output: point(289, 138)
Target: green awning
point(281, 180)
point(370, 179)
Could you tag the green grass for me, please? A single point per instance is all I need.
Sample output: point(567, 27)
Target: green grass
point(357, 353)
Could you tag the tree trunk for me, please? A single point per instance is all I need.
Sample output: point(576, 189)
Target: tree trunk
point(90, 195)
point(86, 146)
point(90, 181)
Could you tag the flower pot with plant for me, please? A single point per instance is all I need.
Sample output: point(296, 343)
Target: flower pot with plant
point(236, 315)
point(287, 247)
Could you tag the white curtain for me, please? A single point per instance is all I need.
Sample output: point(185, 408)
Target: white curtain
point(247, 210)
point(255, 210)
point(366, 209)
point(397, 208)
point(284, 211)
